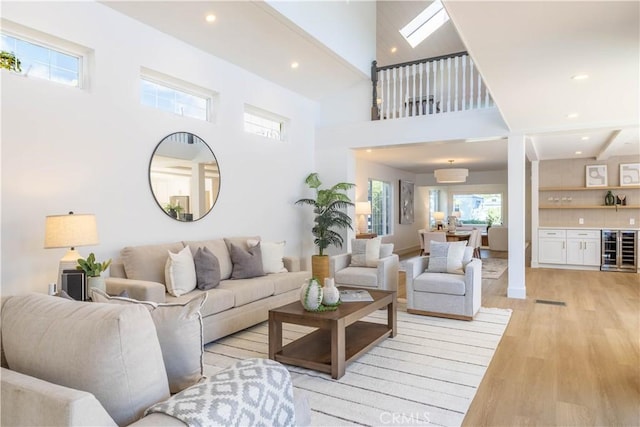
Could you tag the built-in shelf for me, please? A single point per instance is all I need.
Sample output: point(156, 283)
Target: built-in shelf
point(627, 187)
point(588, 207)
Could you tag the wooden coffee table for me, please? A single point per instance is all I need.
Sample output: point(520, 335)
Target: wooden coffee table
point(340, 338)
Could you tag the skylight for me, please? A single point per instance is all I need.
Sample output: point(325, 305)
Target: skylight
point(425, 24)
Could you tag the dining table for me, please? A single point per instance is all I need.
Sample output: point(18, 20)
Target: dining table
point(456, 236)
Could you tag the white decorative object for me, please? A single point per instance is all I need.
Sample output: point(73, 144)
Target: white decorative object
point(629, 174)
point(596, 176)
point(330, 294)
point(311, 295)
point(95, 283)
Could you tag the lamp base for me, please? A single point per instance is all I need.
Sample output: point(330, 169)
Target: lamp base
point(68, 262)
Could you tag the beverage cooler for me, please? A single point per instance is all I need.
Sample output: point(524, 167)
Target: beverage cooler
point(619, 250)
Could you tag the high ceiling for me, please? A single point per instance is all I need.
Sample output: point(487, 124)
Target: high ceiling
point(527, 52)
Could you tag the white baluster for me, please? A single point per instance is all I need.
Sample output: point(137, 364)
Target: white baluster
point(394, 113)
point(457, 73)
point(441, 84)
point(448, 85)
point(429, 90)
point(486, 96)
point(464, 82)
point(435, 86)
point(388, 100)
point(381, 95)
point(420, 93)
point(413, 104)
point(470, 84)
point(406, 95)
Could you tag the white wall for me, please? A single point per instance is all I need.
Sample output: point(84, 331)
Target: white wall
point(404, 236)
point(88, 150)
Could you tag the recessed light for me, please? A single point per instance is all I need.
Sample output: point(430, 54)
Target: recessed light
point(210, 18)
point(394, 49)
point(585, 138)
point(578, 152)
point(572, 115)
point(580, 77)
point(294, 65)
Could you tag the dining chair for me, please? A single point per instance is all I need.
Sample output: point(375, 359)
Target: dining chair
point(475, 240)
point(421, 239)
point(436, 236)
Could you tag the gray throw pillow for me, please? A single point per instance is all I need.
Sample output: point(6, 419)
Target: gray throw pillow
point(207, 269)
point(246, 263)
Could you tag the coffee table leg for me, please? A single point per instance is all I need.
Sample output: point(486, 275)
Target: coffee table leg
point(392, 317)
point(275, 336)
point(338, 347)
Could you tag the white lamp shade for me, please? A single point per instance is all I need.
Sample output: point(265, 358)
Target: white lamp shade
point(68, 231)
point(444, 176)
point(438, 216)
point(363, 208)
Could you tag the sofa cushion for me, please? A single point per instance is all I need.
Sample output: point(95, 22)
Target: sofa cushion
point(386, 249)
point(246, 291)
point(207, 269)
point(247, 263)
point(218, 247)
point(285, 282)
point(272, 255)
point(440, 283)
point(218, 300)
point(358, 276)
point(108, 350)
point(446, 257)
point(180, 272)
point(179, 329)
point(239, 241)
point(365, 252)
point(147, 262)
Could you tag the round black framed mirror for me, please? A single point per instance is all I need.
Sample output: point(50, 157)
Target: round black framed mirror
point(184, 176)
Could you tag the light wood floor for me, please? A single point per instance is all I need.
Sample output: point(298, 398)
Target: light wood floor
point(577, 365)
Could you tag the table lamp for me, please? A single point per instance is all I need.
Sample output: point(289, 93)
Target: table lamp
point(69, 231)
point(438, 217)
point(363, 209)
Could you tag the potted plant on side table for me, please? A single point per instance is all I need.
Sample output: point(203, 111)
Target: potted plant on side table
point(93, 270)
point(329, 208)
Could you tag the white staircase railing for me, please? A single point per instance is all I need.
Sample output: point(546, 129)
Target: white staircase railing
point(428, 86)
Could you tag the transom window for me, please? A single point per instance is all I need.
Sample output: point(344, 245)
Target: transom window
point(264, 123)
point(166, 97)
point(44, 62)
point(380, 196)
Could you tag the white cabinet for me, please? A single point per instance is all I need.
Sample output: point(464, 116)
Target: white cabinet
point(583, 247)
point(552, 247)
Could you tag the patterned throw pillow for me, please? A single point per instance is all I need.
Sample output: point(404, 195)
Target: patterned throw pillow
point(365, 252)
point(446, 257)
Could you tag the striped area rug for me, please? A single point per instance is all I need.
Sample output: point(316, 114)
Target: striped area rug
point(427, 375)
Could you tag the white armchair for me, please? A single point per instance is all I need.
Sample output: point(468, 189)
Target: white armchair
point(383, 276)
point(456, 296)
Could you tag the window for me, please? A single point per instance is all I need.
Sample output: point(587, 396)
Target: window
point(38, 60)
point(166, 96)
point(381, 207)
point(425, 24)
point(478, 208)
point(434, 206)
point(264, 123)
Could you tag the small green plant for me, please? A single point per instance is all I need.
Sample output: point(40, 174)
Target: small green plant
point(91, 267)
point(491, 219)
point(9, 61)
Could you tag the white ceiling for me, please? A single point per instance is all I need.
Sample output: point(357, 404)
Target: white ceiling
point(526, 51)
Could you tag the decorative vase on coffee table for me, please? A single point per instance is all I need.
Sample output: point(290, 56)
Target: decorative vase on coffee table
point(311, 295)
point(330, 294)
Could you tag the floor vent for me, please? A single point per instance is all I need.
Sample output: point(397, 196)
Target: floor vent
point(544, 301)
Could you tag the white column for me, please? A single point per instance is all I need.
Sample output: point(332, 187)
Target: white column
point(197, 190)
point(517, 194)
point(535, 184)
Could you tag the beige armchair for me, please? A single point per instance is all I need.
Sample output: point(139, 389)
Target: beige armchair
point(456, 296)
point(383, 276)
point(498, 237)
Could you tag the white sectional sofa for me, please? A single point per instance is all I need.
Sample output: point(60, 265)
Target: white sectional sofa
point(231, 306)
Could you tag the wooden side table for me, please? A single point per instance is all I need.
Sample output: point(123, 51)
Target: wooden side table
point(366, 236)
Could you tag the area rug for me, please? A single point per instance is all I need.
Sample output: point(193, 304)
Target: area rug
point(427, 375)
point(492, 268)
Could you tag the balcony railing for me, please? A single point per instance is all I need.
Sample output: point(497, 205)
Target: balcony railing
point(427, 86)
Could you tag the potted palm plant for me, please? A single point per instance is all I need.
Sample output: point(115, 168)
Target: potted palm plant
point(329, 208)
point(93, 270)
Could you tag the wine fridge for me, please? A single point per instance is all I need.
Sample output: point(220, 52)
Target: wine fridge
point(619, 250)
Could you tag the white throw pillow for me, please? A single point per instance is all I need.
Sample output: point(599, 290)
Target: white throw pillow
point(179, 330)
point(272, 254)
point(446, 257)
point(180, 272)
point(365, 252)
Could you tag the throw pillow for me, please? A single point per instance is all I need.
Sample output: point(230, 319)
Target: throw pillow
point(180, 272)
point(179, 330)
point(446, 257)
point(365, 252)
point(272, 254)
point(246, 263)
point(207, 269)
